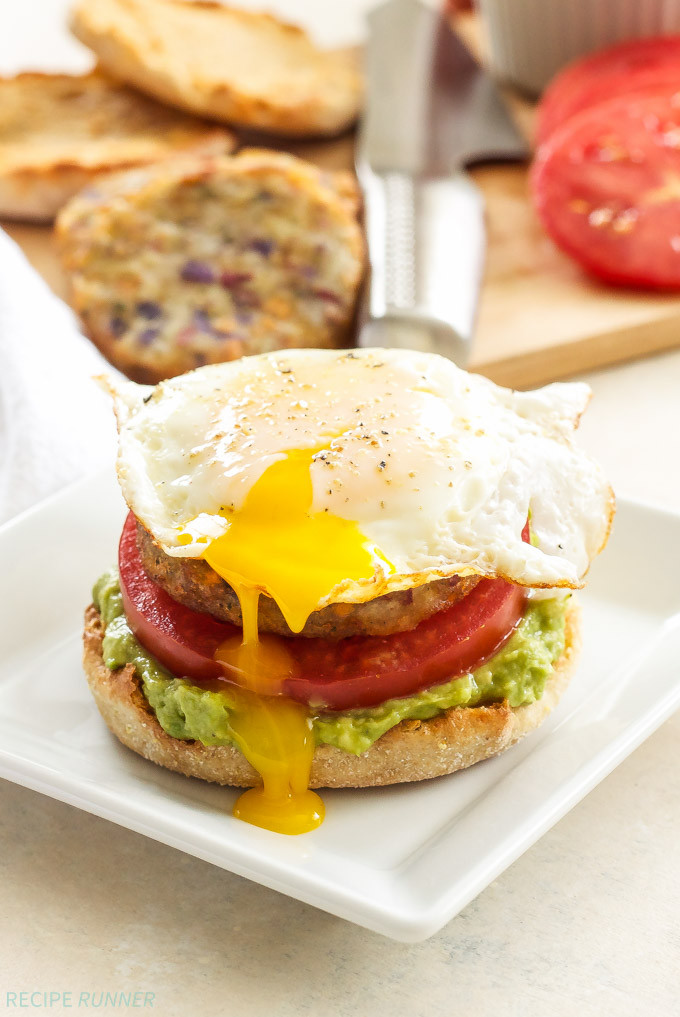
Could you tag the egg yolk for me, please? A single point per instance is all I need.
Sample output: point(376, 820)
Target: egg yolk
point(277, 545)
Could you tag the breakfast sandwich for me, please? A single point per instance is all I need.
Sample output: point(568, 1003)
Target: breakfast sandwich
point(201, 260)
point(59, 132)
point(340, 569)
point(243, 67)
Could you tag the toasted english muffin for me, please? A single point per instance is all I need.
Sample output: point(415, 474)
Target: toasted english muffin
point(59, 132)
point(203, 260)
point(413, 750)
point(237, 66)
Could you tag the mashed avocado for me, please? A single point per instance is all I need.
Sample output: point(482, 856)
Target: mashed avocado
point(517, 673)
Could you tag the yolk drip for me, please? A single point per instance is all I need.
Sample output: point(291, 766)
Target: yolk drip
point(276, 545)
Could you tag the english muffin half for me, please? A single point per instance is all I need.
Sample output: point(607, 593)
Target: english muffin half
point(241, 67)
point(60, 132)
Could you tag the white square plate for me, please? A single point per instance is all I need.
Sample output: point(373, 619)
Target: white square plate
point(402, 861)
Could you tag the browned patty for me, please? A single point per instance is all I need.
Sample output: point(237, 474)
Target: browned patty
point(194, 583)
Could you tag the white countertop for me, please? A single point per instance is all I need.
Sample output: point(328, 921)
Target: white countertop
point(585, 923)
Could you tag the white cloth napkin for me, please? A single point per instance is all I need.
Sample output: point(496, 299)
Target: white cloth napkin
point(55, 423)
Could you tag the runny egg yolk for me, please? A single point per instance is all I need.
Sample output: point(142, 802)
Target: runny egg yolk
point(277, 545)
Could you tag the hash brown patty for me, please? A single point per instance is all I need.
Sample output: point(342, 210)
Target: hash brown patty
point(203, 260)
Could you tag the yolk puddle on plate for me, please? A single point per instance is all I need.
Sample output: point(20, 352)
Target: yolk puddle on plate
point(276, 545)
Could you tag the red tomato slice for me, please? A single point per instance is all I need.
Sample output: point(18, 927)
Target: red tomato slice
point(607, 189)
point(367, 670)
point(638, 65)
point(183, 640)
point(355, 672)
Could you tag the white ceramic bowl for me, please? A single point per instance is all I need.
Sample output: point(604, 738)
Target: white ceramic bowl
point(530, 40)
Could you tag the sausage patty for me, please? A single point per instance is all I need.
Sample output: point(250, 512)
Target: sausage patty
point(192, 582)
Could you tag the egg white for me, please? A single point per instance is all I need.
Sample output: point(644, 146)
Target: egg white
point(439, 468)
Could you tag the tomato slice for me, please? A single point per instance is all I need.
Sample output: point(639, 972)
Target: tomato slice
point(356, 672)
point(182, 640)
point(607, 189)
point(638, 65)
point(367, 670)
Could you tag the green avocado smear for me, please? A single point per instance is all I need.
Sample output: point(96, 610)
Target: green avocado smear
point(518, 673)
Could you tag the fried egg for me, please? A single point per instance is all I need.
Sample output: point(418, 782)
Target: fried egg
point(425, 470)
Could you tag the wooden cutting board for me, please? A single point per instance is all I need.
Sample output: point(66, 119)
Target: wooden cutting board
point(540, 318)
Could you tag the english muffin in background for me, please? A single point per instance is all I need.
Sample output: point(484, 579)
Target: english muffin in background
point(203, 260)
point(58, 132)
point(241, 67)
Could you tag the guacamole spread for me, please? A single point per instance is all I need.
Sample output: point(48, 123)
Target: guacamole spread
point(518, 673)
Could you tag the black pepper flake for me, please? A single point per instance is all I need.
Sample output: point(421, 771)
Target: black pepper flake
point(384, 432)
point(146, 398)
point(382, 464)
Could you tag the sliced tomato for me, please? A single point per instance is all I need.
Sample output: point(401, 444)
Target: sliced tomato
point(183, 640)
point(607, 189)
point(355, 672)
point(631, 67)
point(367, 670)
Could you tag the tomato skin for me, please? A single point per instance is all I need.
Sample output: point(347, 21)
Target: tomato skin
point(638, 65)
point(361, 671)
point(182, 640)
point(601, 189)
point(450, 643)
